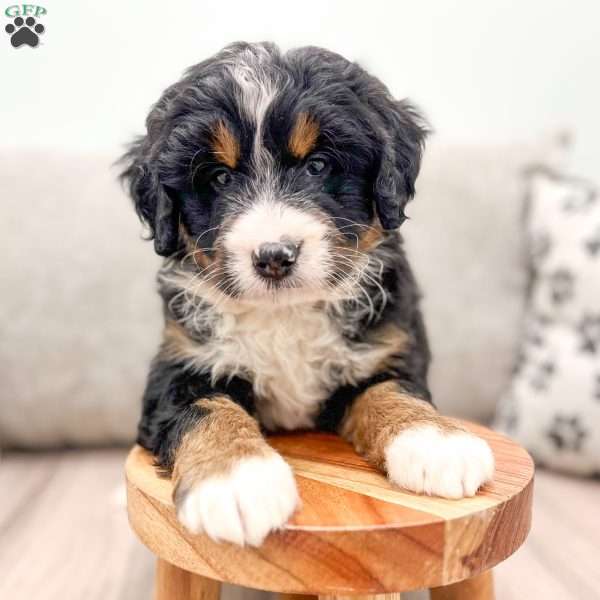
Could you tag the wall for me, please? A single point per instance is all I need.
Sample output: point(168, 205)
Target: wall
point(481, 70)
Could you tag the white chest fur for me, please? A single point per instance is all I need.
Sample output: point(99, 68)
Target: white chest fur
point(295, 357)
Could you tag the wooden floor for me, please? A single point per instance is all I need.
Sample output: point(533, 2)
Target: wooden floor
point(64, 534)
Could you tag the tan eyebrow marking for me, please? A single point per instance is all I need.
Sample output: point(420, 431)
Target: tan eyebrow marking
point(304, 135)
point(225, 146)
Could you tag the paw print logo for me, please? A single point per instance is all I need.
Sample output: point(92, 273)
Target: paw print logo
point(24, 32)
point(566, 433)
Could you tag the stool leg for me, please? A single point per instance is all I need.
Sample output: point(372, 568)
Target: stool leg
point(173, 583)
point(480, 587)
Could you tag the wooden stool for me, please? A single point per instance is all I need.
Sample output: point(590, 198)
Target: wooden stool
point(355, 535)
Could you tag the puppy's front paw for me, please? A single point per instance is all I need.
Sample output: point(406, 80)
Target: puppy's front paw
point(257, 496)
point(429, 460)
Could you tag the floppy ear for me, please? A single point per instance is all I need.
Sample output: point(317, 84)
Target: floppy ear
point(402, 137)
point(152, 202)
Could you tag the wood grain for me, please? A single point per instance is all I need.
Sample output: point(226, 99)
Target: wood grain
point(172, 583)
point(355, 533)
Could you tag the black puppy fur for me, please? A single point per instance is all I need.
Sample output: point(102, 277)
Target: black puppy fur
point(359, 174)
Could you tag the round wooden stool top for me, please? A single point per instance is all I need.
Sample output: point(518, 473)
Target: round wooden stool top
point(355, 532)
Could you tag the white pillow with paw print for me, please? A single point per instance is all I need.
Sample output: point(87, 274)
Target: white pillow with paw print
point(553, 404)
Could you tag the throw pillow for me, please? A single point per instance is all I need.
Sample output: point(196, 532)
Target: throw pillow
point(553, 404)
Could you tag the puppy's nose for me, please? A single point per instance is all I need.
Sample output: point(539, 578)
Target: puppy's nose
point(274, 260)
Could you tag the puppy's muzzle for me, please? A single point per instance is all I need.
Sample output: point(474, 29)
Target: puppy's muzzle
point(275, 260)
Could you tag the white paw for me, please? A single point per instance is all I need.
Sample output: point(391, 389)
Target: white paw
point(257, 496)
point(429, 461)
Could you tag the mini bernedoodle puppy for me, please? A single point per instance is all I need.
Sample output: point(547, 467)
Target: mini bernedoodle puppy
point(274, 185)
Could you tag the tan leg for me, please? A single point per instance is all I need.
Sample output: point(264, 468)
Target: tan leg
point(173, 583)
point(297, 597)
point(480, 587)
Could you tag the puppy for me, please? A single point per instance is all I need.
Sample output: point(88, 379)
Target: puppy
point(274, 186)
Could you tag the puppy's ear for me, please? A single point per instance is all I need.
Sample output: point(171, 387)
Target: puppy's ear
point(153, 204)
point(402, 138)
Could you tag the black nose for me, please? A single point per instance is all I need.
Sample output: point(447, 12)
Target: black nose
point(274, 260)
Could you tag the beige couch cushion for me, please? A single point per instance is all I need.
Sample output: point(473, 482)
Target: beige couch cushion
point(80, 319)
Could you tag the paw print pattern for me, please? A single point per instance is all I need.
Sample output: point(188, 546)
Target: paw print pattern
point(567, 433)
point(589, 330)
point(24, 32)
point(592, 244)
point(542, 374)
point(534, 330)
point(562, 285)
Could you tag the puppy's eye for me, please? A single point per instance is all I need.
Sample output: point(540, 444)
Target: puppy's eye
point(221, 179)
point(316, 166)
